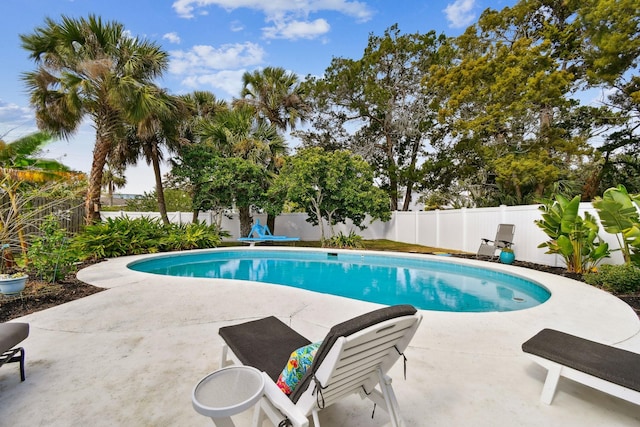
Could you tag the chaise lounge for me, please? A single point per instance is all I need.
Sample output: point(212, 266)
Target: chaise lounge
point(354, 357)
point(261, 233)
point(503, 239)
point(603, 367)
point(12, 334)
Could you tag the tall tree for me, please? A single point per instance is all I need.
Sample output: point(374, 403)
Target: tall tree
point(191, 157)
point(332, 187)
point(279, 99)
point(155, 133)
point(505, 96)
point(379, 96)
point(87, 67)
point(237, 133)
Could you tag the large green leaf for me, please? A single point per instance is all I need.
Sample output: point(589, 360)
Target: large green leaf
point(616, 210)
point(569, 214)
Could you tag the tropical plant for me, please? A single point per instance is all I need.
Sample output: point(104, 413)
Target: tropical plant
point(87, 67)
point(125, 236)
point(194, 235)
point(619, 215)
point(345, 241)
point(50, 254)
point(574, 238)
point(21, 172)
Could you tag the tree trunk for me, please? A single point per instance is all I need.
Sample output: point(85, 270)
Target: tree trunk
point(92, 201)
point(245, 220)
point(162, 206)
point(412, 169)
point(392, 170)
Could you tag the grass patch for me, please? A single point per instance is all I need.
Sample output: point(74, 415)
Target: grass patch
point(373, 245)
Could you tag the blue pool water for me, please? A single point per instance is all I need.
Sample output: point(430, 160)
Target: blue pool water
point(426, 284)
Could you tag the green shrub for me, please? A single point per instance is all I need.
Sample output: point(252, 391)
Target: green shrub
point(125, 236)
point(120, 236)
point(191, 236)
point(618, 279)
point(342, 241)
point(50, 254)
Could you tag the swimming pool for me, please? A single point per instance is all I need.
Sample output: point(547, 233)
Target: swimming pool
point(369, 276)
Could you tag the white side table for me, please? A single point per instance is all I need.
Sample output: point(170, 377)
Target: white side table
point(227, 391)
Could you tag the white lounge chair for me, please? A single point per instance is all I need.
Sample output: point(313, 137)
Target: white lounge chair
point(354, 357)
point(609, 369)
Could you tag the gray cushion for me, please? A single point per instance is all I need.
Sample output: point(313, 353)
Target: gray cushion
point(602, 361)
point(11, 334)
point(265, 344)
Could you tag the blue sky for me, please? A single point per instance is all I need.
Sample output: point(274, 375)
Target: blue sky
point(213, 42)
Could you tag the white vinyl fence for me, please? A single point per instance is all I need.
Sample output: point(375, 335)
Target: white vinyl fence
point(455, 229)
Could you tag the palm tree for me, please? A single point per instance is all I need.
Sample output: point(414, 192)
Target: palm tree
point(200, 106)
point(146, 139)
point(112, 179)
point(20, 168)
point(87, 67)
point(279, 99)
point(276, 95)
point(237, 133)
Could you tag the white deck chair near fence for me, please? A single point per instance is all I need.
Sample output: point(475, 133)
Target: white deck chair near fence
point(503, 239)
point(354, 357)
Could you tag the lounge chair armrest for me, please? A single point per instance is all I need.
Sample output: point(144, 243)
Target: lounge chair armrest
point(280, 401)
point(485, 241)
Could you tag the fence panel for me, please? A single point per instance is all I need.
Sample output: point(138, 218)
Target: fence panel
point(455, 229)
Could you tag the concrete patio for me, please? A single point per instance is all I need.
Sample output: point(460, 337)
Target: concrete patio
point(131, 355)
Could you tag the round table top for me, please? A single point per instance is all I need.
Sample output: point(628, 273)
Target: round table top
point(228, 391)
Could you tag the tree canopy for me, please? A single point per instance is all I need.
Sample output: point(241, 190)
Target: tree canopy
point(332, 187)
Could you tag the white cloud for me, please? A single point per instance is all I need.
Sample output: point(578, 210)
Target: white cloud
point(173, 37)
point(16, 121)
point(290, 17)
point(229, 81)
point(460, 13)
point(236, 26)
point(222, 68)
point(203, 58)
point(271, 8)
point(297, 30)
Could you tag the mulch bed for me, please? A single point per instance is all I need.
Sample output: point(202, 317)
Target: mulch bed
point(40, 295)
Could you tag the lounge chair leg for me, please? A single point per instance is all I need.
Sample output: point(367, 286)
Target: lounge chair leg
point(550, 384)
point(258, 415)
point(22, 376)
point(316, 420)
point(223, 358)
point(390, 399)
